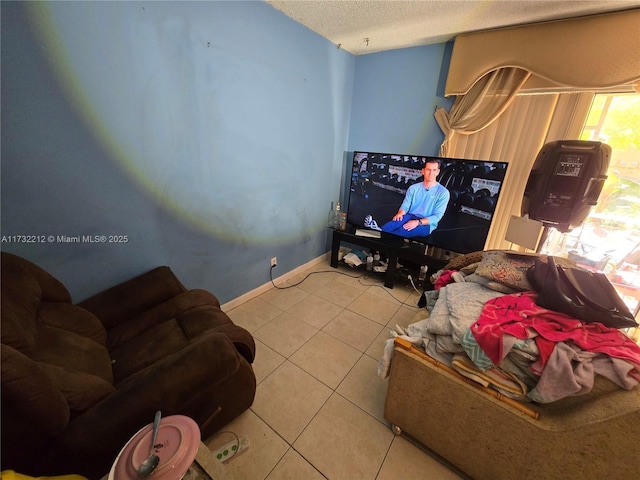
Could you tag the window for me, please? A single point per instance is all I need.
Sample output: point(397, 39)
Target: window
point(609, 240)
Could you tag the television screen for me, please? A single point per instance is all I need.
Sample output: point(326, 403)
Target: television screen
point(455, 218)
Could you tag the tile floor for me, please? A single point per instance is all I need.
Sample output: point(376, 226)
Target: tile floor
point(318, 410)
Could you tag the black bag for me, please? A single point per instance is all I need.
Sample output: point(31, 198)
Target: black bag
point(579, 293)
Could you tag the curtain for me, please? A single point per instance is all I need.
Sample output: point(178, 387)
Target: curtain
point(516, 137)
point(487, 99)
point(586, 53)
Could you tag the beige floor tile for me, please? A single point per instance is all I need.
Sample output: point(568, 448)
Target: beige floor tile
point(254, 314)
point(284, 298)
point(314, 279)
point(326, 358)
point(375, 308)
point(343, 442)
point(265, 450)
point(405, 460)
point(354, 278)
point(294, 467)
point(323, 266)
point(405, 316)
point(266, 361)
point(339, 293)
point(376, 349)
point(363, 388)
point(412, 299)
point(341, 434)
point(353, 329)
point(399, 293)
point(288, 399)
point(315, 311)
point(285, 334)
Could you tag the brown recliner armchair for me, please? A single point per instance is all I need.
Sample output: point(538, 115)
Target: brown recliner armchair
point(79, 380)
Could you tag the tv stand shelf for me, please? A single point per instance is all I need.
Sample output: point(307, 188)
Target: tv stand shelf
point(395, 248)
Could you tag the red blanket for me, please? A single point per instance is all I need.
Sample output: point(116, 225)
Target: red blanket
point(519, 316)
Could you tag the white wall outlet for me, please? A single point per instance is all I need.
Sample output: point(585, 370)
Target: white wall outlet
point(274, 261)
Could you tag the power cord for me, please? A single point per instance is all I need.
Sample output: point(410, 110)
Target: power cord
point(308, 275)
point(365, 276)
point(384, 289)
point(413, 284)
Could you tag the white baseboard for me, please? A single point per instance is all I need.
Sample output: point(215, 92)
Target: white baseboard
point(230, 305)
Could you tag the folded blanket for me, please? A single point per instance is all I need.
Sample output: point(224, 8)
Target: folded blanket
point(459, 305)
point(491, 284)
point(465, 302)
point(504, 382)
point(520, 367)
point(447, 344)
point(518, 316)
point(431, 347)
point(414, 333)
point(429, 299)
point(437, 334)
point(439, 323)
point(571, 371)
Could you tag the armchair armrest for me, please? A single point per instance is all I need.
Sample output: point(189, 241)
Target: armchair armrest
point(133, 296)
point(242, 340)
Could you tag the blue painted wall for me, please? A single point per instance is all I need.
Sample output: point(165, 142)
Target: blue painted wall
point(213, 135)
point(394, 97)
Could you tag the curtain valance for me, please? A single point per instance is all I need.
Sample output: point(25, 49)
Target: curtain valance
point(482, 105)
point(591, 52)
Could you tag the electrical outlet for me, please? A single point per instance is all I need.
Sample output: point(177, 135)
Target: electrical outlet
point(232, 449)
point(274, 261)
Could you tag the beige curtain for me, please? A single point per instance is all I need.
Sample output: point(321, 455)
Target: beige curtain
point(487, 99)
point(586, 53)
point(516, 137)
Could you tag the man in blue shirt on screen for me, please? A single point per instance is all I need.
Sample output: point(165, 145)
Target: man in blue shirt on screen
point(423, 206)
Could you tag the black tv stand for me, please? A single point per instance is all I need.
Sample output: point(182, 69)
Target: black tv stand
point(393, 247)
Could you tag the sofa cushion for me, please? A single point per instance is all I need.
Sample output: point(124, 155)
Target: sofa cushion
point(28, 392)
point(74, 319)
point(506, 267)
point(80, 390)
point(133, 297)
point(148, 348)
point(52, 290)
point(21, 296)
point(71, 351)
point(169, 310)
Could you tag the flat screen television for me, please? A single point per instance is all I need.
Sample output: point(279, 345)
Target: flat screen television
point(379, 182)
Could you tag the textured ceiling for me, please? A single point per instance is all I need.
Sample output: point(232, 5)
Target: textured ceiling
point(368, 26)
